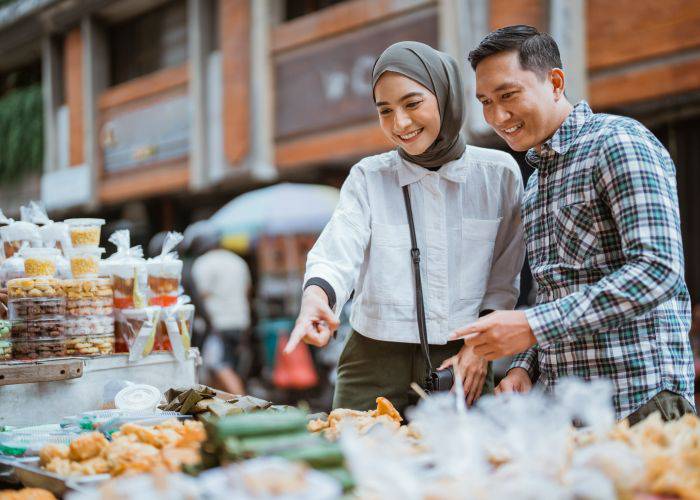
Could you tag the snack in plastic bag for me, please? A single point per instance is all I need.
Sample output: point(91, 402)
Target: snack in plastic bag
point(16, 233)
point(127, 269)
point(164, 273)
point(53, 234)
point(136, 328)
point(173, 333)
point(13, 267)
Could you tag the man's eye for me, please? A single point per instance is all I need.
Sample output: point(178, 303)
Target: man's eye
point(507, 95)
point(485, 101)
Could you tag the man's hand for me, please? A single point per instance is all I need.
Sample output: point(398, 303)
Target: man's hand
point(501, 333)
point(472, 369)
point(316, 321)
point(516, 380)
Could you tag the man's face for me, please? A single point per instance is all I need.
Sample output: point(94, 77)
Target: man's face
point(518, 104)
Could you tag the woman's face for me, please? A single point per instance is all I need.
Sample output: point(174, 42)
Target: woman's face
point(408, 112)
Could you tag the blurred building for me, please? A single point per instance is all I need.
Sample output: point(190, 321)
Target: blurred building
point(163, 110)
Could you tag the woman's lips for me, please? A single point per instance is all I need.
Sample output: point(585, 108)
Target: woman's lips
point(411, 136)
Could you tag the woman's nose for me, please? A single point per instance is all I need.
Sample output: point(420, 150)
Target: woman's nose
point(401, 121)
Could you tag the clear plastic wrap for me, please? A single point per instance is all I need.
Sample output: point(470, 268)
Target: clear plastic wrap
point(16, 233)
point(127, 269)
point(165, 272)
point(176, 322)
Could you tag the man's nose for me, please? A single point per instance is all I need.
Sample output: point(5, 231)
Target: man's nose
point(501, 115)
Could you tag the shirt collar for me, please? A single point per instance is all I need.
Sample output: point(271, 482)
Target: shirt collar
point(454, 171)
point(565, 135)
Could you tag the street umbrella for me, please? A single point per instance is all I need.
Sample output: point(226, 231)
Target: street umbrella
point(275, 210)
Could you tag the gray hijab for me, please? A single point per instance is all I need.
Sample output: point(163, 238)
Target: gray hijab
point(439, 73)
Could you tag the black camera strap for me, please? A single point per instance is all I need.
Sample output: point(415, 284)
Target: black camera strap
point(420, 307)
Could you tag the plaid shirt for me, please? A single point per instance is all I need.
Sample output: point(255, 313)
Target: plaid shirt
point(602, 228)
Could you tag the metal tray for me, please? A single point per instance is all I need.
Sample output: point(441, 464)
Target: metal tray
point(28, 472)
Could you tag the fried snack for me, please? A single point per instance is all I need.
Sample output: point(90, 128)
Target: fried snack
point(87, 446)
point(384, 414)
point(27, 494)
point(134, 449)
point(51, 451)
point(127, 457)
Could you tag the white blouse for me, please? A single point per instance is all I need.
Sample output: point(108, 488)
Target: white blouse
point(469, 232)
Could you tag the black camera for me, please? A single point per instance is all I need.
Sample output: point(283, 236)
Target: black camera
point(440, 380)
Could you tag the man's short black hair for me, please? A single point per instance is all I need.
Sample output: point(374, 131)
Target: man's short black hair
point(537, 52)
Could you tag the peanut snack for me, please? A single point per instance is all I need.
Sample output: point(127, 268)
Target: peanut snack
point(38, 329)
point(85, 236)
point(34, 266)
point(84, 265)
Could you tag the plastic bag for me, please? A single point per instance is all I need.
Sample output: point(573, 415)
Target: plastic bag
point(144, 338)
point(165, 272)
point(127, 269)
point(177, 321)
point(13, 267)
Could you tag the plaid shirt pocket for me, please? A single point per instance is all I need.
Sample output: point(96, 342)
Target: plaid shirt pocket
point(575, 232)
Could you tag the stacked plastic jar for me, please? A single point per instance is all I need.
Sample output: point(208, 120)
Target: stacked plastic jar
point(89, 298)
point(37, 307)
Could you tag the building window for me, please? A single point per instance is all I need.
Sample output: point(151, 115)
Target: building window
point(298, 8)
point(148, 42)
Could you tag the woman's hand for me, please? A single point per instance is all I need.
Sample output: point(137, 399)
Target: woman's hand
point(516, 380)
point(316, 321)
point(472, 369)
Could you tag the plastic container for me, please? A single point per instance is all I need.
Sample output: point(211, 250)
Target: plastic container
point(23, 349)
point(5, 350)
point(89, 297)
point(22, 288)
point(90, 345)
point(89, 325)
point(85, 261)
point(46, 328)
point(40, 261)
point(5, 329)
point(139, 397)
point(85, 232)
point(36, 308)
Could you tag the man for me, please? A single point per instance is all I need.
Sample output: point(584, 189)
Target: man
point(222, 280)
point(602, 230)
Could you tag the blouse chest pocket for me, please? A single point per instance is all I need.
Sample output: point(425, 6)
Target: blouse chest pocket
point(478, 242)
point(390, 276)
point(575, 233)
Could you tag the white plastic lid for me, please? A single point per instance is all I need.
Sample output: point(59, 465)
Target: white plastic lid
point(88, 251)
point(84, 222)
point(139, 397)
point(40, 253)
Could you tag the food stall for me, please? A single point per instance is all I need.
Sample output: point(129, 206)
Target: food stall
point(73, 321)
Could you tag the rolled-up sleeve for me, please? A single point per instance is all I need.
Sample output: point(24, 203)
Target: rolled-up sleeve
point(339, 251)
point(528, 361)
point(509, 248)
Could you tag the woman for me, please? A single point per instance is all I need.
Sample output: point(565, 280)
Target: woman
point(465, 203)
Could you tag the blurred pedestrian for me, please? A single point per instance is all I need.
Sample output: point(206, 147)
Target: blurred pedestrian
point(603, 239)
point(223, 282)
point(465, 202)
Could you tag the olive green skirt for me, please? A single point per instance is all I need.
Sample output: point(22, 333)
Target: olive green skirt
point(371, 368)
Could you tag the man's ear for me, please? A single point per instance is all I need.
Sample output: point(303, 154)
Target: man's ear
point(556, 77)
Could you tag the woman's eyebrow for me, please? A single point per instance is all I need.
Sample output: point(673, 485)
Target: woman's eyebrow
point(410, 94)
